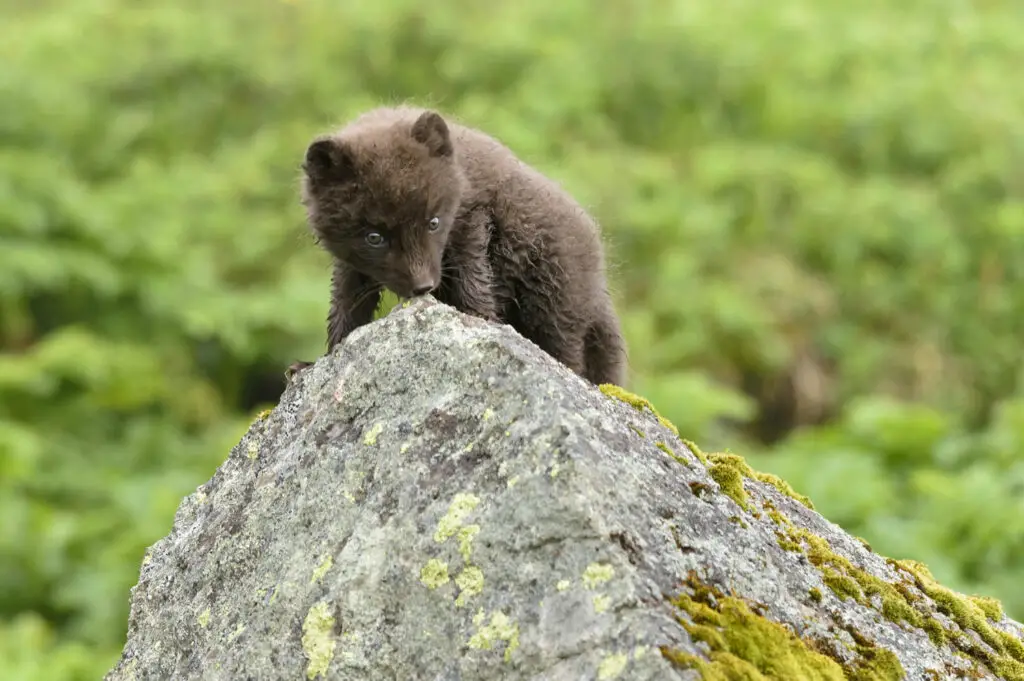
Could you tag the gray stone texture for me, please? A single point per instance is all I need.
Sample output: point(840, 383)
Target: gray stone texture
point(438, 499)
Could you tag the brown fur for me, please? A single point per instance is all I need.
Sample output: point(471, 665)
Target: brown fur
point(508, 244)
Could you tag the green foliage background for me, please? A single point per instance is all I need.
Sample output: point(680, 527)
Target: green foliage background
point(815, 213)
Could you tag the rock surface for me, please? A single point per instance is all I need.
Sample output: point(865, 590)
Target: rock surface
point(438, 499)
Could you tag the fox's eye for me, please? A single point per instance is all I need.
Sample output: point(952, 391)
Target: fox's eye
point(434, 224)
point(374, 239)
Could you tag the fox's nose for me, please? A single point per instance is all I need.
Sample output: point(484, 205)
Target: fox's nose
point(422, 289)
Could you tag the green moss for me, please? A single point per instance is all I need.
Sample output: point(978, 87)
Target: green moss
point(1007, 659)
point(640, 404)
point(728, 471)
point(935, 630)
point(744, 645)
point(992, 608)
point(1006, 656)
point(637, 402)
point(736, 520)
point(668, 450)
point(263, 414)
point(815, 594)
point(637, 431)
point(874, 664)
point(914, 567)
point(697, 452)
point(782, 486)
point(841, 585)
point(897, 601)
point(786, 543)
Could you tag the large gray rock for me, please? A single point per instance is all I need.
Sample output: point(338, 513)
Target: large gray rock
point(439, 499)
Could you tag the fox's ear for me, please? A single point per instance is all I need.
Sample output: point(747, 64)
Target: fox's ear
point(329, 160)
point(431, 131)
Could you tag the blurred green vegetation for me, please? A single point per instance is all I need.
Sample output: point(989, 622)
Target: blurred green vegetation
point(814, 211)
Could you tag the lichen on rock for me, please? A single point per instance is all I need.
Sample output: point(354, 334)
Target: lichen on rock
point(438, 498)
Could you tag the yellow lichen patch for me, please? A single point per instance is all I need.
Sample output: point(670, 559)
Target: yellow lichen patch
point(318, 640)
point(597, 573)
point(637, 402)
point(434, 573)
point(728, 470)
point(512, 481)
point(404, 448)
point(601, 603)
point(370, 439)
point(488, 413)
point(236, 633)
point(204, 618)
point(612, 666)
point(470, 582)
point(263, 414)
point(352, 489)
point(500, 628)
point(322, 568)
point(563, 584)
point(252, 451)
point(461, 506)
point(465, 538)
point(201, 496)
point(554, 470)
point(744, 645)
